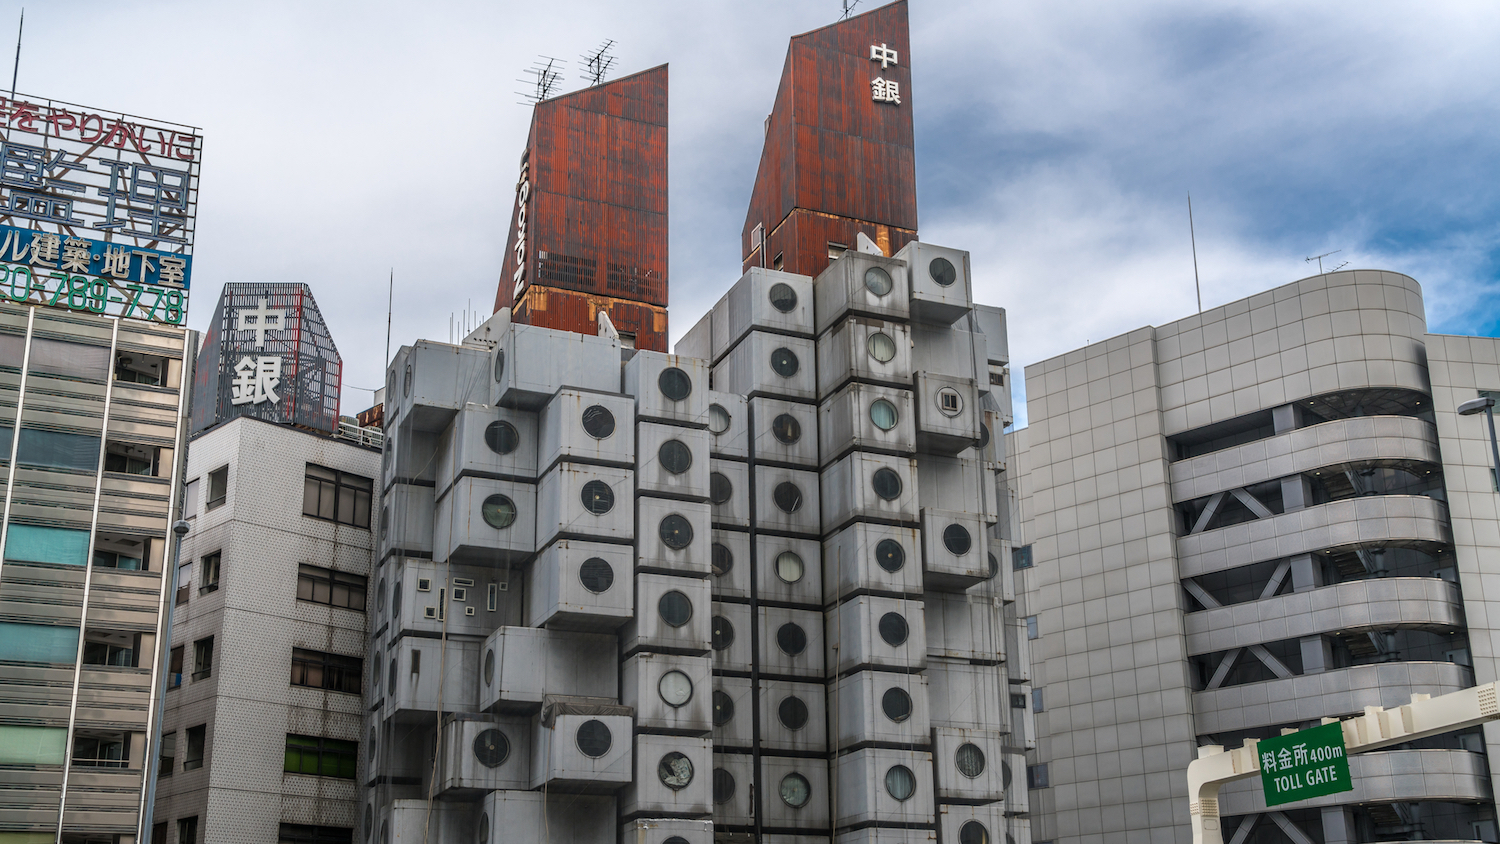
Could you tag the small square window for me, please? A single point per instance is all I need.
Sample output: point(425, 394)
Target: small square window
point(1031, 628)
point(203, 658)
point(174, 668)
point(1020, 557)
point(424, 584)
point(1018, 701)
point(218, 487)
point(1036, 776)
point(1036, 701)
point(210, 576)
point(460, 594)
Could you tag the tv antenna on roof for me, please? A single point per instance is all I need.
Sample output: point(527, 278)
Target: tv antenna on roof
point(848, 8)
point(1319, 259)
point(545, 73)
point(599, 62)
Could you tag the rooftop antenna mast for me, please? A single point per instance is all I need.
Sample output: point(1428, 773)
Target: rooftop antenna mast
point(848, 8)
point(598, 62)
point(1197, 285)
point(1319, 259)
point(16, 71)
point(545, 73)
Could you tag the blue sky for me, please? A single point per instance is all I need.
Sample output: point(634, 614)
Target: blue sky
point(1057, 141)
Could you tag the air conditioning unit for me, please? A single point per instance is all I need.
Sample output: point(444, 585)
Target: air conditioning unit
point(872, 351)
point(413, 821)
point(435, 380)
point(966, 696)
point(672, 615)
point(412, 675)
point(405, 520)
point(861, 284)
point(871, 631)
point(733, 781)
point(668, 388)
point(530, 364)
point(730, 637)
point(786, 432)
point(958, 824)
point(728, 426)
point(673, 537)
point(876, 707)
point(1013, 776)
point(729, 561)
point(577, 500)
point(764, 364)
point(796, 793)
point(488, 442)
point(669, 693)
point(576, 585)
point(486, 520)
point(789, 570)
point(967, 765)
point(948, 413)
point(587, 428)
point(864, 557)
point(791, 643)
point(698, 342)
point(435, 597)
point(787, 501)
point(672, 461)
point(669, 830)
point(883, 785)
point(763, 300)
point(538, 816)
point(869, 487)
point(941, 293)
point(673, 776)
point(868, 418)
point(480, 753)
point(964, 625)
point(729, 493)
point(583, 753)
point(732, 719)
point(955, 553)
point(521, 664)
point(794, 717)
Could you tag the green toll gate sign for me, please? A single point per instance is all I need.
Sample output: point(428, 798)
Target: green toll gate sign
point(1307, 763)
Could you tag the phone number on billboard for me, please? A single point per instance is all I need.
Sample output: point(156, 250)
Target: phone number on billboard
point(93, 295)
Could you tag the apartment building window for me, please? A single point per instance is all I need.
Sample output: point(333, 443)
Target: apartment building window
point(174, 668)
point(209, 578)
point(1036, 776)
point(1020, 558)
point(99, 750)
point(168, 756)
point(322, 757)
point(1036, 701)
point(131, 459)
point(301, 833)
point(319, 670)
point(1031, 628)
point(111, 649)
point(334, 588)
point(195, 739)
point(190, 499)
point(187, 830)
point(184, 582)
point(203, 658)
point(1017, 701)
point(159, 832)
point(218, 487)
point(337, 496)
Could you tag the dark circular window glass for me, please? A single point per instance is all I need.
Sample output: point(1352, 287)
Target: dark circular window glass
point(675, 771)
point(878, 281)
point(598, 422)
point(375, 680)
point(676, 839)
point(792, 712)
point(719, 488)
point(784, 362)
point(675, 608)
point(893, 629)
point(881, 347)
point(789, 567)
point(723, 633)
point(942, 271)
point(498, 511)
point(889, 555)
point(792, 639)
point(795, 790)
point(594, 739)
point(787, 496)
point(391, 678)
point(502, 437)
point(896, 704)
point(994, 566)
point(500, 365)
point(723, 786)
point(597, 497)
point(973, 832)
point(969, 759)
point(723, 708)
point(786, 429)
point(674, 383)
point(489, 667)
point(406, 382)
point(385, 521)
point(900, 782)
point(984, 436)
point(718, 419)
point(396, 600)
point(676, 533)
point(956, 540)
point(883, 414)
point(491, 748)
point(380, 596)
point(596, 575)
point(675, 456)
point(723, 558)
point(783, 297)
point(887, 483)
point(369, 822)
point(1004, 774)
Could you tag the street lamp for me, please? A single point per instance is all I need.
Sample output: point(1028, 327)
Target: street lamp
point(1486, 404)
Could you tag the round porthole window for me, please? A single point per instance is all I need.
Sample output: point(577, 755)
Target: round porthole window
point(718, 419)
point(722, 559)
point(900, 783)
point(789, 567)
point(723, 633)
point(889, 555)
point(369, 823)
point(499, 366)
point(783, 297)
point(597, 497)
point(675, 456)
point(882, 348)
point(723, 708)
point(795, 790)
point(893, 629)
point(675, 771)
point(956, 540)
point(406, 382)
point(502, 437)
point(380, 596)
point(396, 600)
point(787, 496)
point(942, 272)
point(883, 414)
point(675, 531)
point(786, 429)
point(719, 488)
point(596, 575)
point(390, 679)
point(594, 739)
point(675, 608)
point(784, 362)
point(675, 688)
point(973, 832)
point(969, 759)
point(949, 402)
point(984, 436)
point(1004, 774)
point(886, 483)
point(491, 748)
point(792, 712)
point(896, 704)
point(994, 566)
point(676, 839)
point(723, 786)
point(385, 521)
point(489, 667)
point(674, 383)
point(598, 422)
point(385, 832)
point(878, 281)
point(375, 680)
point(498, 511)
point(484, 828)
point(792, 639)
